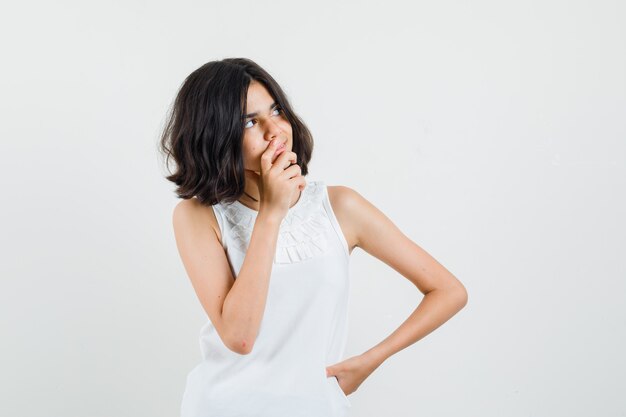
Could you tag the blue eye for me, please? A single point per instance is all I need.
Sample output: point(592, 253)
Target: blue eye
point(277, 108)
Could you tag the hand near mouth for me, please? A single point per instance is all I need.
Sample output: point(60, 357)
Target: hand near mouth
point(280, 178)
point(280, 150)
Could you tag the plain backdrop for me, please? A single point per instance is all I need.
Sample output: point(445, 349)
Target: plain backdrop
point(493, 134)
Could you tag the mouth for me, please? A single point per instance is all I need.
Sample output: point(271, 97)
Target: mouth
point(279, 150)
point(282, 147)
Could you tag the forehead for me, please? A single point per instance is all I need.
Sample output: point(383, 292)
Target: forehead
point(258, 96)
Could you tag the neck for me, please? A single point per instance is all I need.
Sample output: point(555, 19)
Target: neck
point(251, 198)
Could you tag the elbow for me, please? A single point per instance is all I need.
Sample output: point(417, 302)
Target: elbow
point(241, 346)
point(456, 294)
point(235, 341)
point(462, 296)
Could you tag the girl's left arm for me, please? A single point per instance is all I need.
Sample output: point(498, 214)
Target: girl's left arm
point(444, 295)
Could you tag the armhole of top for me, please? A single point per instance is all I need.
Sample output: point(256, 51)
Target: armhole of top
point(334, 221)
point(220, 224)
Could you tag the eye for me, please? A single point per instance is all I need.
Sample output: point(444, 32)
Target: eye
point(277, 108)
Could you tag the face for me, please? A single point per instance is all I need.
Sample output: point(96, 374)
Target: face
point(267, 122)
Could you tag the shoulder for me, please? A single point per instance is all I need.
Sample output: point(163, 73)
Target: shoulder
point(190, 214)
point(347, 203)
point(363, 221)
point(344, 198)
point(186, 210)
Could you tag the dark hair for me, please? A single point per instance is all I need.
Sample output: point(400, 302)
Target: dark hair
point(204, 130)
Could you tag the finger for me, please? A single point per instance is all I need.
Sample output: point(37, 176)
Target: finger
point(281, 149)
point(302, 185)
point(293, 171)
point(267, 156)
point(299, 181)
point(286, 159)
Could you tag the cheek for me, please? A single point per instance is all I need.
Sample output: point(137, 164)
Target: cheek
point(252, 151)
point(256, 150)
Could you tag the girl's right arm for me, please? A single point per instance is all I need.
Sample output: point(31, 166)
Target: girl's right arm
point(245, 303)
point(236, 306)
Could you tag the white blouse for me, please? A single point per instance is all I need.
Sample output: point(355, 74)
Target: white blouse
point(304, 326)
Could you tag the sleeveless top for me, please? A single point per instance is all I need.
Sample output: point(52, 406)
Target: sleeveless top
point(304, 326)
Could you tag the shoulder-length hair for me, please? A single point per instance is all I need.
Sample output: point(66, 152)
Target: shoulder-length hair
point(204, 129)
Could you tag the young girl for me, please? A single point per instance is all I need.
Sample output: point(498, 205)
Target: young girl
point(268, 254)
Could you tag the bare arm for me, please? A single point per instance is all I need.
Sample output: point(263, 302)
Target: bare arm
point(234, 306)
point(245, 303)
point(444, 293)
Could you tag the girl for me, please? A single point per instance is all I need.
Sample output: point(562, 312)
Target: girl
point(268, 254)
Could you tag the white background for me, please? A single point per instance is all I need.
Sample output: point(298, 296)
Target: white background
point(492, 133)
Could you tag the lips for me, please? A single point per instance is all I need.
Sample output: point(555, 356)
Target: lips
point(279, 150)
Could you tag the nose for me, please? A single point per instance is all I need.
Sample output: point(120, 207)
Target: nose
point(272, 131)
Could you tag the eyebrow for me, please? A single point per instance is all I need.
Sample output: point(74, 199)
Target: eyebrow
point(249, 115)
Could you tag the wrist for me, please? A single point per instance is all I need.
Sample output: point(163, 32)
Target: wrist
point(269, 217)
point(375, 357)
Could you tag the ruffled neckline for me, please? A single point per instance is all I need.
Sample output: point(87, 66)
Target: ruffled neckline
point(301, 235)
